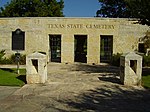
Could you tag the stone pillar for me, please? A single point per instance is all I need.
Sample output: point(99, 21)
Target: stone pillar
point(36, 68)
point(131, 69)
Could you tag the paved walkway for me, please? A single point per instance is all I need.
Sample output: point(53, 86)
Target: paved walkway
point(12, 66)
point(6, 91)
point(78, 88)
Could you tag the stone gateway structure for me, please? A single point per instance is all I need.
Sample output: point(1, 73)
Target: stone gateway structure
point(36, 67)
point(69, 40)
point(131, 69)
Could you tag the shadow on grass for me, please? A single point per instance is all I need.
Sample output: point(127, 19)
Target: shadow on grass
point(8, 70)
point(22, 78)
point(11, 70)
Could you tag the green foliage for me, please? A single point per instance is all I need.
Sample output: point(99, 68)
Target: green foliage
point(146, 81)
point(113, 8)
point(2, 54)
point(11, 59)
point(140, 9)
point(5, 61)
point(125, 9)
point(146, 60)
point(115, 61)
point(146, 40)
point(33, 8)
point(23, 59)
point(8, 77)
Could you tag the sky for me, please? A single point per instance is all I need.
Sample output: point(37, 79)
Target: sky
point(75, 8)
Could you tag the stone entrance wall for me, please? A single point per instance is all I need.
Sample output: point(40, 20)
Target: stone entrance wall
point(37, 30)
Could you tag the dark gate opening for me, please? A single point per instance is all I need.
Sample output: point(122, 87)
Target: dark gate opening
point(55, 48)
point(80, 48)
point(106, 48)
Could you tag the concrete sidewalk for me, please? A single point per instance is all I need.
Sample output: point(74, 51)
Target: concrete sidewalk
point(12, 66)
point(77, 88)
point(6, 91)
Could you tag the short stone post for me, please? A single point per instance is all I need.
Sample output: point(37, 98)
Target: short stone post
point(36, 68)
point(131, 69)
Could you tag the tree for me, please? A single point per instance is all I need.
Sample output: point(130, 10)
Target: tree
point(113, 8)
point(140, 9)
point(126, 9)
point(33, 8)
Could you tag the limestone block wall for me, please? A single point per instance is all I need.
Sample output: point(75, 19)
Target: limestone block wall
point(91, 27)
point(128, 36)
point(37, 30)
point(35, 37)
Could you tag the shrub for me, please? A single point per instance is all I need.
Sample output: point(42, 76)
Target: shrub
point(115, 61)
point(22, 59)
point(11, 59)
point(5, 61)
point(2, 54)
point(146, 60)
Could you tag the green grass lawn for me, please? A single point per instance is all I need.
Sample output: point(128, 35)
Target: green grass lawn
point(146, 81)
point(9, 77)
point(146, 78)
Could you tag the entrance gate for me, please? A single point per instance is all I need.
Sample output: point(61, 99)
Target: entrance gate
point(80, 48)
